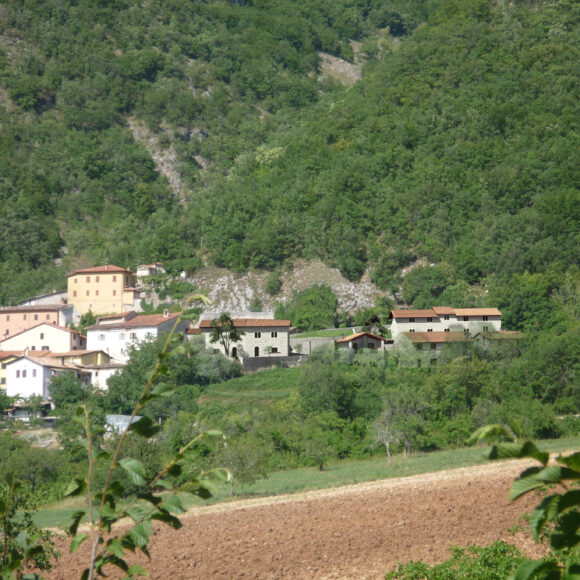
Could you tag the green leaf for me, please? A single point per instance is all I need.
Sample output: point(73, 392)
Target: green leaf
point(115, 546)
point(134, 469)
point(214, 433)
point(163, 390)
point(140, 535)
point(571, 461)
point(77, 541)
point(75, 487)
point(136, 570)
point(173, 504)
point(514, 451)
point(165, 517)
point(76, 520)
point(531, 568)
point(138, 512)
point(490, 431)
point(145, 427)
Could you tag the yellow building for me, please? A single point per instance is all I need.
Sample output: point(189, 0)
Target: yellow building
point(102, 290)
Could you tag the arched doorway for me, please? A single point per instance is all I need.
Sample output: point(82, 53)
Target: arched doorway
point(234, 352)
point(257, 351)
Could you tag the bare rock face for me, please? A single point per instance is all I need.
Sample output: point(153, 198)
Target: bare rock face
point(236, 293)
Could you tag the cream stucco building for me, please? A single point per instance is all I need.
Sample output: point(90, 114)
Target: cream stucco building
point(102, 290)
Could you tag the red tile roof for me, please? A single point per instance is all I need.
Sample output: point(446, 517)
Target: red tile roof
point(108, 268)
point(38, 308)
point(428, 313)
point(137, 321)
point(251, 322)
point(477, 312)
point(358, 335)
point(443, 310)
point(422, 337)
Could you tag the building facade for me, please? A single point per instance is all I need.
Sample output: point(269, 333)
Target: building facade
point(445, 319)
point(260, 338)
point(45, 336)
point(15, 319)
point(102, 290)
point(117, 334)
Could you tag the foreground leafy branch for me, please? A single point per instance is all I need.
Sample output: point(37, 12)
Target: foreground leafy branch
point(156, 499)
point(557, 516)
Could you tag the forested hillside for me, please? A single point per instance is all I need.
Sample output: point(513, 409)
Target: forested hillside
point(459, 146)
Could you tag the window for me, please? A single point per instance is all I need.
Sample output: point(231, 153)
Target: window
point(7, 317)
point(96, 292)
point(411, 330)
point(257, 335)
point(44, 348)
point(419, 346)
point(411, 320)
point(433, 345)
point(114, 293)
point(122, 336)
point(370, 345)
point(485, 328)
point(36, 317)
point(446, 317)
point(88, 279)
point(3, 365)
point(274, 334)
point(429, 330)
point(429, 319)
point(42, 336)
point(114, 278)
point(274, 349)
point(101, 337)
point(433, 362)
point(132, 335)
point(2, 381)
point(32, 347)
point(24, 374)
point(25, 317)
point(33, 372)
point(126, 280)
point(446, 330)
point(97, 279)
point(74, 293)
point(17, 374)
point(418, 363)
point(466, 319)
point(88, 293)
point(76, 280)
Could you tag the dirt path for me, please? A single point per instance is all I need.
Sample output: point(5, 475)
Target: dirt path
point(358, 531)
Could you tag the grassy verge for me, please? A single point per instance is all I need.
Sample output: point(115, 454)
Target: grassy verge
point(335, 475)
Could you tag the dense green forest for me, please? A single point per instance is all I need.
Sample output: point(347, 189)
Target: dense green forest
point(458, 146)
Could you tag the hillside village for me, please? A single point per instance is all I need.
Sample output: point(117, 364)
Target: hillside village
point(39, 340)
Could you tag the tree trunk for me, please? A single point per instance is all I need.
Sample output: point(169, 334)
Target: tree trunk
point(388, 450)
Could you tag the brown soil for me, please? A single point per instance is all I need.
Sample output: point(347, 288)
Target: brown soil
point(359, 531)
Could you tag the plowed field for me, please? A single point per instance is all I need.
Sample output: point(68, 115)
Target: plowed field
point(359, 531)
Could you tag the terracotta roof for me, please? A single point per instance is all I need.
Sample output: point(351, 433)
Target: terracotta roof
point(193, 331)
point(358, 335)
point(76, 353)
point(8, 353)
point(477, 312)
point(48, 361)
point(44, 324)
point(39, 308)
point(250, 322)
point(109, 268)
point(428, 313)
point(502, 334)
point(443, 310)
point(421, 337)
point(137, 321)
point(119, 315)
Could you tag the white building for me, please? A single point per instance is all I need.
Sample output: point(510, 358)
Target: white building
point(362, 340)
point(261, 338)
point(445, 319)
point(31, 376)
point(45, 336)
point(118, 333)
